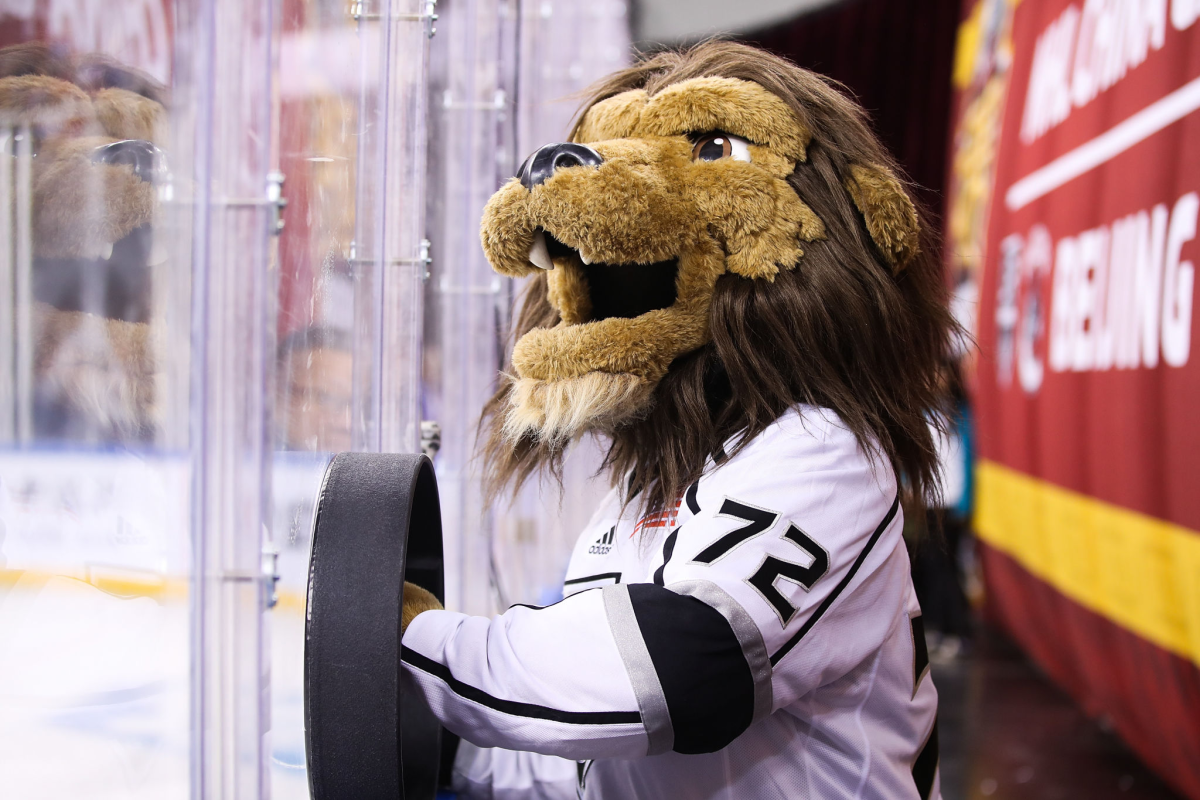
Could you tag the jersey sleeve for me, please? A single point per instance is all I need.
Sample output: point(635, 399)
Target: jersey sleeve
point(547, 680)
point(606, 673)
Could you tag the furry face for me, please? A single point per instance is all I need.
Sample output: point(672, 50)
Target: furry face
point(83, 132)
point(673, 191)
point(94, 183)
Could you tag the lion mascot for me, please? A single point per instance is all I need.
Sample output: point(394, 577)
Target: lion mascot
point(730, 290)
point(87, 128)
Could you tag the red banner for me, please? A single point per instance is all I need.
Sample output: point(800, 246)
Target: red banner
point(1075, 210)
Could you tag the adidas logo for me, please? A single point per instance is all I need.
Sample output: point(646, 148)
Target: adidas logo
point(604, 543)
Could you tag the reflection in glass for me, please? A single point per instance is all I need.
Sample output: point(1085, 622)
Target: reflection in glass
point(315, 373)
point(94, 512)
point(81, 177)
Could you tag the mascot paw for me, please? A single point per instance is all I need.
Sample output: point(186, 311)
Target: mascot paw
point(416, 600)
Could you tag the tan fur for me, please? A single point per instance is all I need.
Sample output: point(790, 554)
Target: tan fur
point(101, 369)
point(643, 346)
point(557, 411)
point(889, 213)
point(726, 104)
point(416, 601)
point(44, 101)
point(568, 292)
point(127, 115)
point(80, 207)
point(614, 118)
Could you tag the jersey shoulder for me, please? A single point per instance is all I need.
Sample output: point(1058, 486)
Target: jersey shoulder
point(805, 459)
point(789, 526)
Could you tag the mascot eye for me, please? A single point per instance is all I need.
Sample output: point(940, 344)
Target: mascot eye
point(715, 146)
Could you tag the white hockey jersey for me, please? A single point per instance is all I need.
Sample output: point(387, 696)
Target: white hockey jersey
point(761, 639)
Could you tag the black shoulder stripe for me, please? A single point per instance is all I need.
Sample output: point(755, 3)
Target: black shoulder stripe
point(668, 549)
point(692, 503)
point(513, 707)
point(615, 577)
point(920, 652)
point(532, 607)
point(821, 609)
point(925, 767)
point(705, 678)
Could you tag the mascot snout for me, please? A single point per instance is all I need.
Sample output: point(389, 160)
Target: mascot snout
point(549, 158)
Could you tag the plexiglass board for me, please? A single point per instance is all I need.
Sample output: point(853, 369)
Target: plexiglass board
point(352, 263)
point(97, 480)
point(505, 78)
point(179, 355)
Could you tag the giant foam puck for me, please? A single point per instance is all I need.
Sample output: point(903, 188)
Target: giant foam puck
point(377, 524)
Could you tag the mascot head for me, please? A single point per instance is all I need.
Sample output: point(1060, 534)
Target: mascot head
point(91, 126)
point(722, 238)
point(87, 169)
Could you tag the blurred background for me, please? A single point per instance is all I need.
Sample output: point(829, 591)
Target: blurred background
point(236, 238)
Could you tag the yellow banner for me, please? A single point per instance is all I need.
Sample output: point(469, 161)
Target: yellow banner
point(1139, 572)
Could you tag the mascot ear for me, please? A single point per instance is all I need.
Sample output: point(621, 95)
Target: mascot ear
point(890, 215)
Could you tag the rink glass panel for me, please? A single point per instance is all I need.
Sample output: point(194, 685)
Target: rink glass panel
point(351, 267)
point(176, 368)
point(97, 471)
point(505, 78)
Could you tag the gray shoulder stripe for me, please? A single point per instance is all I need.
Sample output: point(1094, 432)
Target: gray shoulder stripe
point(747, 633)
point(652, 702)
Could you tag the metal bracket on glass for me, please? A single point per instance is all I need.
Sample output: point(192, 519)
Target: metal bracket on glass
point(277, 200)
point(359, 13)
point(431, 437)
point(274, 199)
point(491, 288)
point(16, 284)
point(498, 102)
point(270, 575)
point(423, 260)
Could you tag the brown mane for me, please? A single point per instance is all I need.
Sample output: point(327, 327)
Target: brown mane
point(839, 331)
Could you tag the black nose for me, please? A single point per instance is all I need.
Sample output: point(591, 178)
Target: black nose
point(146, 159)
point(541, 165)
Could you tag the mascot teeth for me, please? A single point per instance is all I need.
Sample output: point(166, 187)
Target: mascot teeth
point(106, 251)
point(539, 253)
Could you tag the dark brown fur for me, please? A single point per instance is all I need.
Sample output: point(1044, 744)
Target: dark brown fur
point(839, 331)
